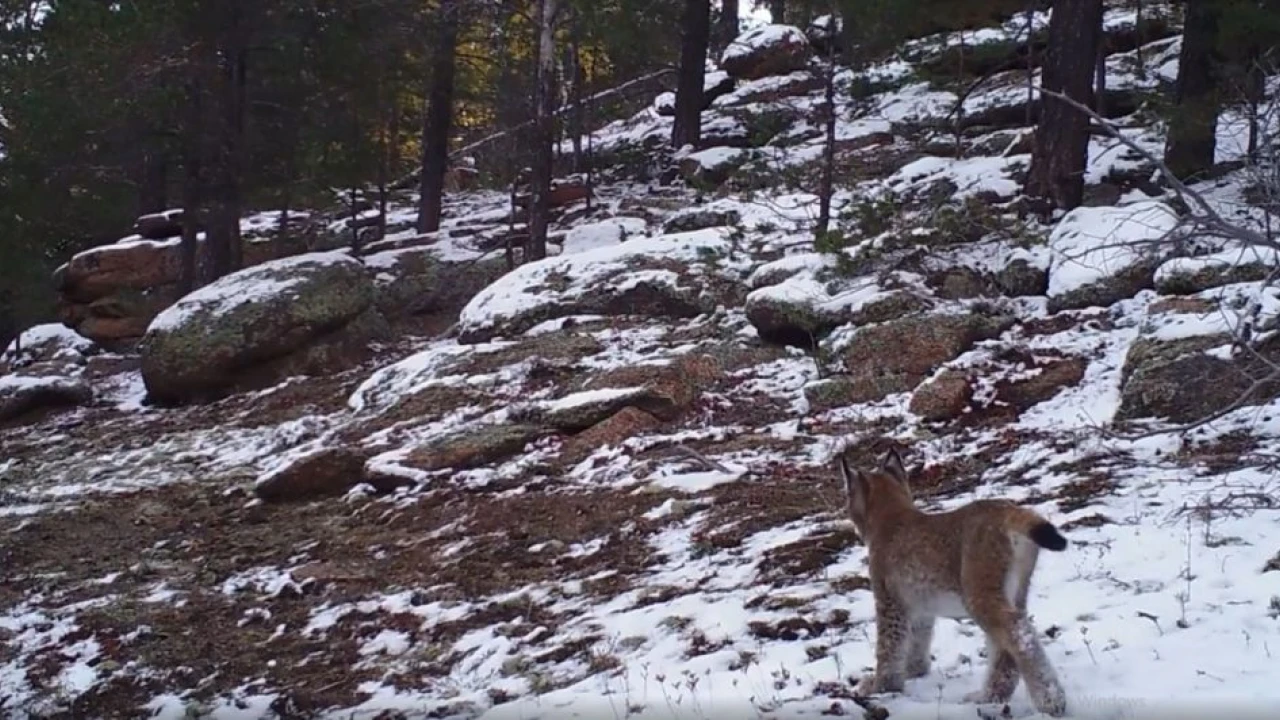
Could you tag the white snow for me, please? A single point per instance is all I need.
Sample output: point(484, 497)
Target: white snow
point(525, 288)
point(251, 285)
point(39, 339)
point(1091, 244)
point(765, 36)
point(590, 236)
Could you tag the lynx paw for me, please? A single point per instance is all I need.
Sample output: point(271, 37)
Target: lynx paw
point(876, 684)
point(980, 697)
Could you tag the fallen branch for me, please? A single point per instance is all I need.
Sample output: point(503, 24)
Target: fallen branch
point(702, 459)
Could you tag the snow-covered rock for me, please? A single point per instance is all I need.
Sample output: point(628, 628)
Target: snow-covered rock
point(605, 233)
point(45, 385)
point(804, 307)
point(767, 50)
point(42, 343)
point(713, 166)
point(307, 314)
point(424, 281)
point(667, 276)
point(1186, 275)
point(1104, 254)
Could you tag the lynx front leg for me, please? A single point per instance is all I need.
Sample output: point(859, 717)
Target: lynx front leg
point(918, 660)
point(892, 639)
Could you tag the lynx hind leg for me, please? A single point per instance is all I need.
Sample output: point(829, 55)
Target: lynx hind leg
point(918, 658)
point(1016, 638)
point(1042, 681)
point(1002, 676)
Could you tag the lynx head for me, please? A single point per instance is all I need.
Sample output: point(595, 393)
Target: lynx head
point(866, 492)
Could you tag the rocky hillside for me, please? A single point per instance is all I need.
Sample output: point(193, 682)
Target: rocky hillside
point(415, 484)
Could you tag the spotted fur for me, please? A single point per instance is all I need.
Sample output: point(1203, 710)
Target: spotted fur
point(973, 562)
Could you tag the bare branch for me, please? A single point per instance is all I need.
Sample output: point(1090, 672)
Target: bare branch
point(1202, 212)
point(701, 459)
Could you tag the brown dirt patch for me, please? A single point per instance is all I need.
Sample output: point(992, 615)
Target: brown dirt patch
point(192, 539)
point(1225, 452)
point(803, 559)
point(784, 495)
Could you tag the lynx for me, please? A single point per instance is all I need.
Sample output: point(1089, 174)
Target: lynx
point(975, 562)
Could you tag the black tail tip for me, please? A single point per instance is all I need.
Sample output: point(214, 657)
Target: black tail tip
point(1047, 536)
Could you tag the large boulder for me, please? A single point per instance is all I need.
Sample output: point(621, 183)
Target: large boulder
point(1188, 379)
point(672, 276)
point(473, 447)
point(308, 314)
point(710, 168)
point(589, 236)
point(1189, 275)
point(110, 293)
point(1101, 255)
point(767, 50)
point(160, 226)
point(772, 89)
point(896, 356)
point(419, 281)
point(944, 397)
point(317, 474)
point(663, 389)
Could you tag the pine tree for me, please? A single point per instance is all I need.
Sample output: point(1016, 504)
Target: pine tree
point(687, 128)
point(1061, 144)
point(439, 117)
point(1193, 126)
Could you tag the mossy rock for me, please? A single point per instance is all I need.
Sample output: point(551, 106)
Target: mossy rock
point(417, 282)
point(919, 344)
point(1209, 276)
point(314, 306)
point(1178, 381)
point(475, 447)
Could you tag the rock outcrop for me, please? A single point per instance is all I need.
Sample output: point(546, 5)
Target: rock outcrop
point(767, 50)
point(671, 276)
point(1105, 254)
point(1189, 379)
point(111, 293)
point(896, 356)
point(309, 314)
point(39, 387)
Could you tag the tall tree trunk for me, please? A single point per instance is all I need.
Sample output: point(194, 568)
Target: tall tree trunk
point(439, 119)
point(1193, 127)
point(1138, 40)
point(573, 65)
point(687, 128)
point(543, 134)
point(1255, 96)
point(191, 274)
point(1031, 58)
point(778, 11)
point(1061, 146)
point(728, 26)
point(227, 140)
point(1100, 79)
